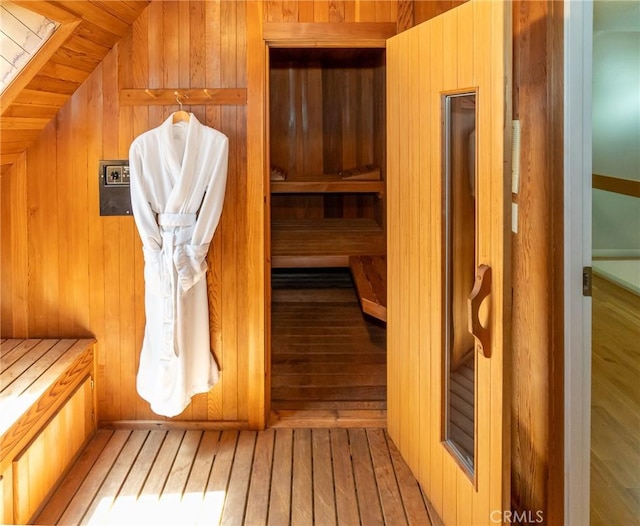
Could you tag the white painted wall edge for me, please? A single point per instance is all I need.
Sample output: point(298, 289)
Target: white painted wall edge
point(578, 39)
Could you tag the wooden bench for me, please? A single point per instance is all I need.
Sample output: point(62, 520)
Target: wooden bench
point(323, 242)
point(370, 279)
point(46, 415)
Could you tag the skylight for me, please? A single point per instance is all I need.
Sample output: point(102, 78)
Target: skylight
point(22, 34)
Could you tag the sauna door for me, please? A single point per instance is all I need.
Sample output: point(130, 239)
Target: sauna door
point(448, 222)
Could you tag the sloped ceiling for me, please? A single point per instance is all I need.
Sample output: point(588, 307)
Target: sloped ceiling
point(89, 30)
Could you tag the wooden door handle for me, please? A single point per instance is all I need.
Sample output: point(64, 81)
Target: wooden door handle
point(481, 289)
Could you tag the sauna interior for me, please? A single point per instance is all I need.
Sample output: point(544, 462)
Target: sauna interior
point(320, 348)
point(328, 247)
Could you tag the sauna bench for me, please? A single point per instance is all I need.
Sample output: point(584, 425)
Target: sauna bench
point(297, 243)
point(328, 183)
point(46, 416)
point(370, 279)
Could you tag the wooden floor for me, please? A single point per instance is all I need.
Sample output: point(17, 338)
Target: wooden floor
point(277, 477)
point(325, 353)
point(615, 406)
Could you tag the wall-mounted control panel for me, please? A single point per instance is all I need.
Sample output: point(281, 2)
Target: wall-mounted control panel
point(115, 198)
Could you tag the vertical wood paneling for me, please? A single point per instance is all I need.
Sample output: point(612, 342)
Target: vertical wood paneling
point(139, 79)
point(537, 399)
point(43, 235)
point(485, 109)
point(212, 78)
point(426, 193)
point(338, 11)
point(85, 272)
point(113, 357)
point(530, 307)
point(14, 257)
point(95, 225)
point(127, 232)
point(415, 247)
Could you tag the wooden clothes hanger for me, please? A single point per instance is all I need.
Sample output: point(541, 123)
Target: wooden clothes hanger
point(180, 115)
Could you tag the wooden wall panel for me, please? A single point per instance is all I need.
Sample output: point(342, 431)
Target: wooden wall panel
point(538, 396)
point(426, 9)
point(335, 11)
point(13, 231)
point(85, 271)
point(88, 31)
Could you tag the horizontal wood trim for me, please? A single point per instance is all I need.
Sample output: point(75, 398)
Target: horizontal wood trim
point(616, 185)
point(34, 66)
point(48, 9)
point(362, 34)
point(309, 261)
point(329, 419)
point(167, 97)
point(184, 425)
point(341, 186)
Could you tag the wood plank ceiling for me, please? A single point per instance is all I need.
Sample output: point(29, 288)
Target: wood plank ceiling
point(89, 30)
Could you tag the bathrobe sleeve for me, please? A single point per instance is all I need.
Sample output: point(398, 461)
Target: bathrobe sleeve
point(145, 219)
point(190, 259)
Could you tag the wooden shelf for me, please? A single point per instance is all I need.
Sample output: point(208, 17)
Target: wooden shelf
point(332, 183)
point(327, 186)
point(323, 242)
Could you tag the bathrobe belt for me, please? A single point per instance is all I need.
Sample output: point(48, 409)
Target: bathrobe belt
point(169, 247)
point(176, 219)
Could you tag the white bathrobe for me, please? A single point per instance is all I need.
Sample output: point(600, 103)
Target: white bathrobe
point(178, 179)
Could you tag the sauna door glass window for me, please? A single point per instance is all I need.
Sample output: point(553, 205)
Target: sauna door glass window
point(459, 172)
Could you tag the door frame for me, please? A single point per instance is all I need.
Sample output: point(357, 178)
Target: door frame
point(578, 40)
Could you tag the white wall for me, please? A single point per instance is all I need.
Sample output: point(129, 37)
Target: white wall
point(616, 137)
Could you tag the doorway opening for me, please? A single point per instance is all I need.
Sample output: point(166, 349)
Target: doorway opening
point(328, 235)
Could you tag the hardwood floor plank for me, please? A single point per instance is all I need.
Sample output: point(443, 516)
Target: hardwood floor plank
point(235, 503)
point(324, 499)
point(388, 491)
point(301, 492)
point(368, 495)
point(194, 491)
point(328, 405)
point(106, 496)
point(280, 497)
point(615, 405)
point(258, 500)
point(346, 500)
point(121, 510)
point(414, 505)
point(170, 506)
point(216, 492)
point(317, 348)
point(147, 504)
point(281, 476)
point(91, 484)
point(57, 504)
